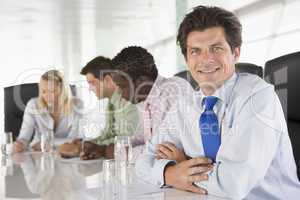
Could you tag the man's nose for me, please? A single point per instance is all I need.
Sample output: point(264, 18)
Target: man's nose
point(206, 59)
point(207, 55)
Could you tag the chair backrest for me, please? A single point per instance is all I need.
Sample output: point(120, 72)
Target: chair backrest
point(249, 68)
point(239, 67)
point(15, 100)
point(187, 76)
point(284, 72)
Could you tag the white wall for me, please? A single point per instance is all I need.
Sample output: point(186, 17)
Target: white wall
point(270, 32)
point(66, 34)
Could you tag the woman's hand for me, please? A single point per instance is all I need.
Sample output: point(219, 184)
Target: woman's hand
point(19, 147)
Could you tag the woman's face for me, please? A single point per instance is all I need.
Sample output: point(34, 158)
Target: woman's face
point(50, 92)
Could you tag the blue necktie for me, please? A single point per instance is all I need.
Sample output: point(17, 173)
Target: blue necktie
point(210, 130)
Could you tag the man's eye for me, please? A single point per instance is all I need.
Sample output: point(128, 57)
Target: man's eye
point(217, 49)
point(194, 51)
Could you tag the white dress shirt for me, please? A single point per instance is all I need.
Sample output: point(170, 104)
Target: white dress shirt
point(37, 122)
point(255, 159)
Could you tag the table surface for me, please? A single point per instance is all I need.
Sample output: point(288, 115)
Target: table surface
point(35, 175)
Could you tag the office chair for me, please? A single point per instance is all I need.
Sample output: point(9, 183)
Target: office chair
point(239, 67)
point(15, 100)
point(249, 68)
point(187, 76)
point(284, 72)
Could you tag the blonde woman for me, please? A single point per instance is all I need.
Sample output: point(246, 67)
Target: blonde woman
point(53, 110)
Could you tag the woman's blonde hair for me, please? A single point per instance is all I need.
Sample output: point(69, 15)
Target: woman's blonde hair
point(65, 101)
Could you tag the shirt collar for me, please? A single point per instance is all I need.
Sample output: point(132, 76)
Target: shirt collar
point(116, 96)
point(223, 93)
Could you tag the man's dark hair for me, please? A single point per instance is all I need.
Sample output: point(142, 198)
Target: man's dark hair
point(96, 66)
point(203, 17)
point(135, 62)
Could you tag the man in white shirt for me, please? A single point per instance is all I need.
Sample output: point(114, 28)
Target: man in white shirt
point(233, 128)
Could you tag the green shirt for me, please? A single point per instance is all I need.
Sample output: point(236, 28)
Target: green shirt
point(121, 119)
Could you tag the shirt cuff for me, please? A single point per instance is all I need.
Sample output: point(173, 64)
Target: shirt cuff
point(158, 171)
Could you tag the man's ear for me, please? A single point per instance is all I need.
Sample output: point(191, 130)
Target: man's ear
point(108, 79)
point(237, 53)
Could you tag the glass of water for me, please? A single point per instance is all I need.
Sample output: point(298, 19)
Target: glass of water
point(123, 158)
point(47, 141)
point(123, 148)
point(108, 168)
point(7, 144)
point(109, 179)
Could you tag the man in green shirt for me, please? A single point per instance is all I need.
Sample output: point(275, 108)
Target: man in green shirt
point(121, 115)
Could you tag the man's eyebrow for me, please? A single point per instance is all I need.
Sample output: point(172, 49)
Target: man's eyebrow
point(217, 44)
point(191, 47)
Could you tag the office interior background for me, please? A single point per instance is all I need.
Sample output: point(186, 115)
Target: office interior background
point(36, 35)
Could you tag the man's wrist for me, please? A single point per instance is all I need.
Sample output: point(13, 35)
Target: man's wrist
point(168, 173)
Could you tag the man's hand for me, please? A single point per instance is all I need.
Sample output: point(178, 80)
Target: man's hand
point(183, 175)
point(92, 151)
point(19, 147)
point(169, 151)
point(109, 151)
point(77, 141)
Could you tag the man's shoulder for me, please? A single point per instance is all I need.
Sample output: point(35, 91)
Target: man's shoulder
point(175, 80)
point(249, 84)
point(121, 105)
point(175, 85)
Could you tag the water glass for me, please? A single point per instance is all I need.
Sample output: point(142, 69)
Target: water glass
point(84, 132)
point(123, 149)
point(7, 144)
point(109, 179)
point(108, 168)
point(47, 141)
point(123, 158)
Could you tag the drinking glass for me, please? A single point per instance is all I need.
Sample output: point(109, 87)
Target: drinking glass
point(109, 179)
point(7, 144)
point(47, 141)
point(123, 158)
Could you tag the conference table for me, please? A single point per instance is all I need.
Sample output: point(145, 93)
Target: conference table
point(36, 175)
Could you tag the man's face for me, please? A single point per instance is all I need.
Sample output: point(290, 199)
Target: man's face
point(209, 57)
point(96, 85)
